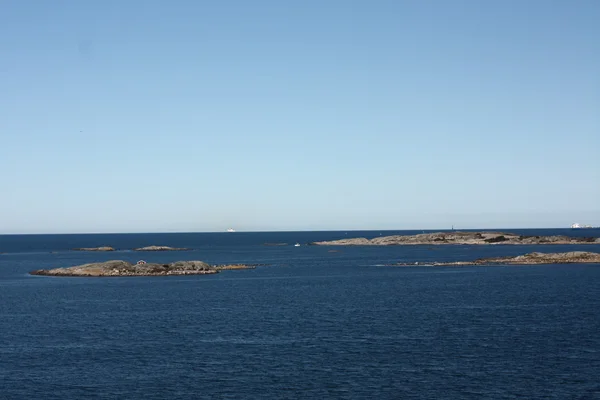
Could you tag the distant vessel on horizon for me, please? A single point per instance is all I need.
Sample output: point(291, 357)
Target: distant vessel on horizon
point(230, 230)
point(578, 226)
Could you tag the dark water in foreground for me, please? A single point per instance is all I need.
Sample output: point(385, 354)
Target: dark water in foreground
point(310, 324)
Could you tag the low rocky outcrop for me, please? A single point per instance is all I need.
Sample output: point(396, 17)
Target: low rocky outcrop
point(455, 237)
point(160, 248)
point(141, 268)
point(124, 268)
point(571, 257)
point(102, 248)
point(234, 266)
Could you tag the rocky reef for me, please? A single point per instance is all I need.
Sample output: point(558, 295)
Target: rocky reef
point(571, 257)
point(468, 238)
point(101, 248)
point(160, 248)
point(124, 268)
point(234, 266)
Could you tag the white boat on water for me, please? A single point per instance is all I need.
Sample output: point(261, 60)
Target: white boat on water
point(230, 230)
point(297, 245)
point(579, 226)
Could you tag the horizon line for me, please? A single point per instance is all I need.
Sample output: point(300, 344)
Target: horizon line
point(284, 231)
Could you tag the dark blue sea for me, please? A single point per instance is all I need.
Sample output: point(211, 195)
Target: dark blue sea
point(310, 323)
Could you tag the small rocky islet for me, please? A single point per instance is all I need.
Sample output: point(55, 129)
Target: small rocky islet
point(116, 268)
point(570, 257)
point(101, 248)
point(458, 237)
point(146, 248)
point(160, 248)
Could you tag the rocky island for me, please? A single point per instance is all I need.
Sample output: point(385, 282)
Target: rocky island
point(160, 248)
point(141, 268)
point(571, 257)
point(468, 238)
point(101, 248)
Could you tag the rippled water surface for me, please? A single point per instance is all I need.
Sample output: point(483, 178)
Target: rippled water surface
point(311, 323)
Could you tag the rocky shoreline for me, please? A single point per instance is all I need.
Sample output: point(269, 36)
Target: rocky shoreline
point(119, 268)
point(571, 257)
point(464, 238)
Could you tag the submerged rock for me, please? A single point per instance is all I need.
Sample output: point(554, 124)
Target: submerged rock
point(456, 237)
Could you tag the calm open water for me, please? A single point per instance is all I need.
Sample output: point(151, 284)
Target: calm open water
point(310, 324)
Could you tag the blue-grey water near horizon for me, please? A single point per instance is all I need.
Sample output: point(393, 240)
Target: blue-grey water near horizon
point(309, 322)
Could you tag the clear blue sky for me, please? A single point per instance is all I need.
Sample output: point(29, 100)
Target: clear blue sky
point(133, 116)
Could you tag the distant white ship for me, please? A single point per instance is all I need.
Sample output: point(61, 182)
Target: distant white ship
point(230, 230)
point(297, 245)
point(578, 226)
